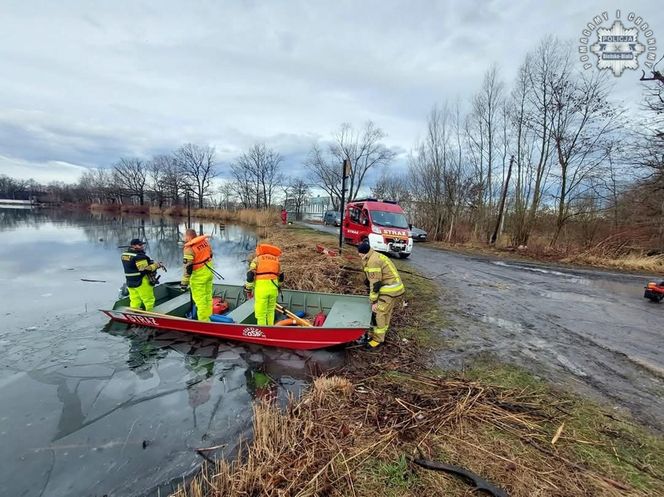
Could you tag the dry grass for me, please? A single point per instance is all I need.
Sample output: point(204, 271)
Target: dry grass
point(308, 270)
point(342, 439)
point(105, 207)
point(135, 209)
point(127, 208)
point(624, 260)
point(174, 211)
point(251, 217)
point(630, 262)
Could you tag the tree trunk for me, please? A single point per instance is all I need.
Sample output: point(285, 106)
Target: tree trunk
point(501, 208)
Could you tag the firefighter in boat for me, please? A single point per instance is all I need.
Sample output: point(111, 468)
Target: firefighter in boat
point(198, 272)
point(384, 287)
point(141, 274)
point(264, 281)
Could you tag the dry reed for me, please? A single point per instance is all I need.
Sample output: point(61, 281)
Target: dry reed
point(252, 217)
point(308, 270)
point(330, 441)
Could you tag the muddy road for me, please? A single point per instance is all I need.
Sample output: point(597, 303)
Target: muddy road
point(586, 331)
point(589, 331)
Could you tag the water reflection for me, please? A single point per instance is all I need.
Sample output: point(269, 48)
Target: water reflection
point(122, 411)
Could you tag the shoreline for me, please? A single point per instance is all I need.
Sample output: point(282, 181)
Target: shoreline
point(358, 429)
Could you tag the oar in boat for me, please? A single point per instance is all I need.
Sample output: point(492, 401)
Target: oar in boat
point(151, 313)
point(298, 320)
point(214, 272)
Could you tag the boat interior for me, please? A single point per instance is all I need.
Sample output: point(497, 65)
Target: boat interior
point(342, 311)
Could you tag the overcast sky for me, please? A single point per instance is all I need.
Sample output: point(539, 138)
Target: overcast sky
point(84, 83)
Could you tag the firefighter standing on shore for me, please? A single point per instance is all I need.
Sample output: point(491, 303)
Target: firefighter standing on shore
point(197, 273)
point(384, 287)
point(140, 273)
point(264, 281)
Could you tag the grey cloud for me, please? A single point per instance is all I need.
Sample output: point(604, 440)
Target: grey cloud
point(88, 84)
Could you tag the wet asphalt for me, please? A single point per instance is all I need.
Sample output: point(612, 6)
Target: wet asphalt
point(586, 331)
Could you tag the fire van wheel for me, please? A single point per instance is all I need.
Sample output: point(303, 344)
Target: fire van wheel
point(404, 256)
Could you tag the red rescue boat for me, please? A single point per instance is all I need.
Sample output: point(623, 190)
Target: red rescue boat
point(348, 317)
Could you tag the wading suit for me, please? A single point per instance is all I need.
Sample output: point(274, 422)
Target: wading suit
point(198, 275)
point(137, 266)
point(264, 279)
point(384, 287)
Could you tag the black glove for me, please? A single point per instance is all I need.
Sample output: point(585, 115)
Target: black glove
point(184, 287)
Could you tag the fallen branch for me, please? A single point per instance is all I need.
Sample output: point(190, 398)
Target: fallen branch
point(559, 432)
point(480, 483)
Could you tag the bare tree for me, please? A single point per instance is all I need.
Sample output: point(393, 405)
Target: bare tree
point(649, 152)
point(174, 178)
point(501, 204)
point(246, 185)
point(484, 136)
point(131, 176)
point(364, 149)
point(392, 186)
point(325, 174)
point(533, 113)
point(257, 173)
point(198, 164)
point(159, 168)
point(228, 192)
point(298, 191)
point(583, 121)
point(439, 182)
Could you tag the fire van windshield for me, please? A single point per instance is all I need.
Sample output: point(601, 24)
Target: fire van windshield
point(389, 219)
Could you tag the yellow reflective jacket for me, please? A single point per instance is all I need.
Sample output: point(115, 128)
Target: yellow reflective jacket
point(383, 276)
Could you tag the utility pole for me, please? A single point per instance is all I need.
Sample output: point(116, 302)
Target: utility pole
point(345, 173)
point(188, 209)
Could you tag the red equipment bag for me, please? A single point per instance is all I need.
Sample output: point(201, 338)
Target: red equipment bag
point(319, 319)
point(219, 305)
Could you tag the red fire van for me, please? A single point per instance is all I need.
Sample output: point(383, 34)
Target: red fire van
point(382, 222)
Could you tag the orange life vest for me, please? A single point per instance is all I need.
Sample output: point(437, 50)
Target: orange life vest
point(267, 262)
point(202, 251)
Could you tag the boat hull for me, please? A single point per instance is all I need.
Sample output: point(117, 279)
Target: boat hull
point(289, 337)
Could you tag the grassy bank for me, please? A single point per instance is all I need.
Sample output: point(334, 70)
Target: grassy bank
point(357, 430)
point(252, 217)
point(631, 261)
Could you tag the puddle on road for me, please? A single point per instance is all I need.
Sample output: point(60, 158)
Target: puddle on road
point(570, 297)
point(503, 323)
point(571, 278)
